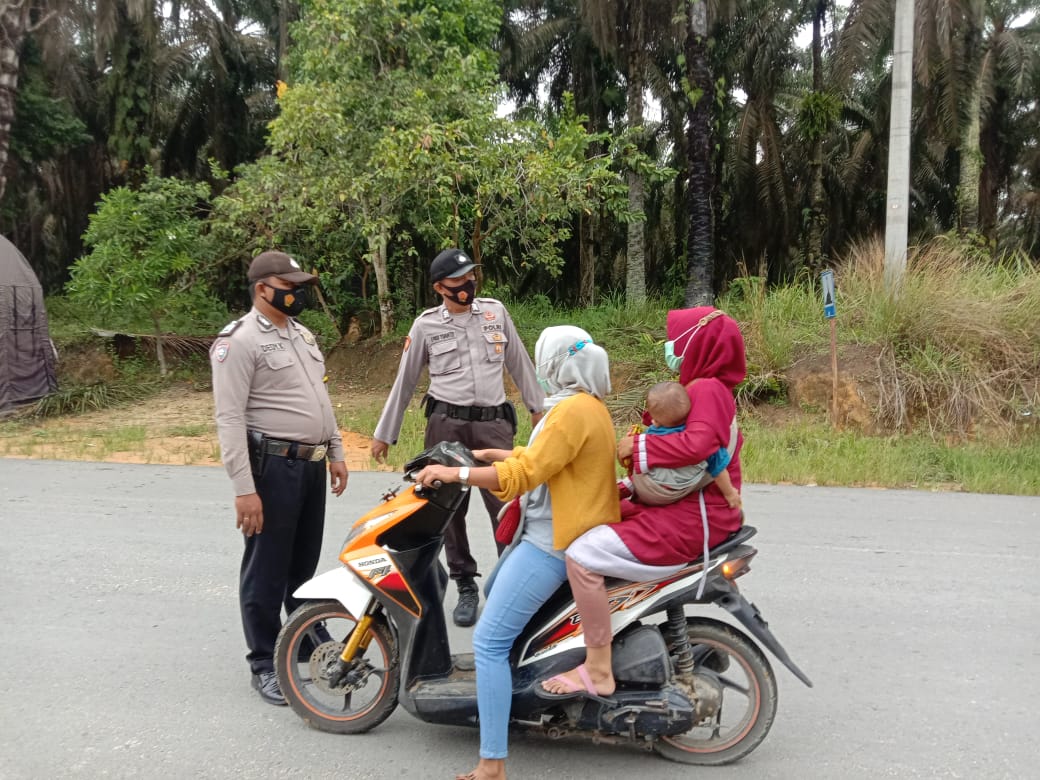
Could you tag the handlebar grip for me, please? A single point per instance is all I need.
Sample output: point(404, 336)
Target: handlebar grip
point(435, 485)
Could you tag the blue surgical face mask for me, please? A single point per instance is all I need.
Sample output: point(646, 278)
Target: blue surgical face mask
point(673, 361)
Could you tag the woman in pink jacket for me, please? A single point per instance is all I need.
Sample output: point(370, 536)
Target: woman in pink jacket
point(706, 347)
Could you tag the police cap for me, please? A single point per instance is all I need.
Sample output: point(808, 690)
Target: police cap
point(449, 264)
point(281, 265)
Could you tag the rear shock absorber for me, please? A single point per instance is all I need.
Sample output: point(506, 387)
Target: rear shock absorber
point(679, 641)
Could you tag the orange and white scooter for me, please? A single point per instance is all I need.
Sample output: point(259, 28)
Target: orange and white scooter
point(373, 633)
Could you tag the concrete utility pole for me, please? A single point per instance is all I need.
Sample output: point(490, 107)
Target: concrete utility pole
point(897, 212)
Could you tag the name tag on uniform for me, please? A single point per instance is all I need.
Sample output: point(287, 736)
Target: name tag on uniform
point(276, 347)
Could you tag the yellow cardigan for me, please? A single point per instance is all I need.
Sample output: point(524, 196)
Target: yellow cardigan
point(574, 454)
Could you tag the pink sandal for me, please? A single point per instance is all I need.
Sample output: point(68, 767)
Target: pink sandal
point(574, 691)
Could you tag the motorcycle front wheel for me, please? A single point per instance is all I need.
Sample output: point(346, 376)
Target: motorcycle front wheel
point(732, 669)
point(307, 661)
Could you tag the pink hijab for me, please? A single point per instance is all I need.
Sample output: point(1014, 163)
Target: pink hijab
point(714, 351)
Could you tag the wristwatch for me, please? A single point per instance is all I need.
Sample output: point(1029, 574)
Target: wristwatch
point(464, 475)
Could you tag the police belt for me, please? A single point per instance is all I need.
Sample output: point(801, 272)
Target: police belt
point(468, 413)
point(287, 449)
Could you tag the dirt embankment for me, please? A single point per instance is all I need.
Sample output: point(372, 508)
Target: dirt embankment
point(176, 426)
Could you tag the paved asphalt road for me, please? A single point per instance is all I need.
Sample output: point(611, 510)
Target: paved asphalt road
point(916, 614)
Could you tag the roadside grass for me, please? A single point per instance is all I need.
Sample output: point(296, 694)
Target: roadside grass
point(19, 440)
point(811, 453)
point(196, 429)
point(959, 345)
point(959, 366)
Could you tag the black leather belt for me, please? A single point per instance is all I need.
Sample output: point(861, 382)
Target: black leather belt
point(288, 449)
point(468, 413)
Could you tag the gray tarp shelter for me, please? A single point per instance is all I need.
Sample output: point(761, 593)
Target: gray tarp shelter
point(27, 360)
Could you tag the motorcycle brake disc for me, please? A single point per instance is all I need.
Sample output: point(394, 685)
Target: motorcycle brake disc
point(324, 658)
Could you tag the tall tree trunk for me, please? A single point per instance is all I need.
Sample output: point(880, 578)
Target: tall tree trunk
point(700, 254)
point(586, 260)
point(283, 39)
point(377, 251)
point(815, 253)
point(971, 161)
point(13, 22)
point(996, 168)
point(160, 352)
point(16, 21)
point(635, 276)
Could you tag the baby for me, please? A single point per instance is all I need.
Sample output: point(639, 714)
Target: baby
point(669, 405)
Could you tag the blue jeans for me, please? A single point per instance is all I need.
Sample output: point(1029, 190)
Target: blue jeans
point(523, 582)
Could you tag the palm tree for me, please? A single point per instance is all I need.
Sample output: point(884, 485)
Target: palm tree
point(997, 59)
point(965, 52)
point(629, 31)
point(700, 241)
point(18, 18)
point(545, 44)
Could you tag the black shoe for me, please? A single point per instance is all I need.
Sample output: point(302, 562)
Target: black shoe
point(465, 613)
point(267, 684)
point(318, 635)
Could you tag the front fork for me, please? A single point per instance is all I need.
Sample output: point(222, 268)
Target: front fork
point(358, 640)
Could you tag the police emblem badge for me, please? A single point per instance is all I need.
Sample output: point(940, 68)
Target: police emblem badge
point(220, 351)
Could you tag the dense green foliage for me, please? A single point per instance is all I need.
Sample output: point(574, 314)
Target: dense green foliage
point(146, 248)
point(392, 139)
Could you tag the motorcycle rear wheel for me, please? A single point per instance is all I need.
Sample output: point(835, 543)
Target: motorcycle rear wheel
point(726, 657)
point(307, 648)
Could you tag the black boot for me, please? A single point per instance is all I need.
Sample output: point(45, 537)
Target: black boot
point(465, 613)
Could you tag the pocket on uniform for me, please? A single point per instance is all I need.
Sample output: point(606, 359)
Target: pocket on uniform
point(278, 360)
point(495, 343)
point(445, 357)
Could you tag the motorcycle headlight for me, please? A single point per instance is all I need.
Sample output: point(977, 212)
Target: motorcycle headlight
point(365, 527)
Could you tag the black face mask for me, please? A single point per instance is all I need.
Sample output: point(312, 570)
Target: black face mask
point(290, 302)
point(463, 294)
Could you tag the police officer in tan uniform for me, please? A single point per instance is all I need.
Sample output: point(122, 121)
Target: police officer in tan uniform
point(465, 343)
point(276, 429)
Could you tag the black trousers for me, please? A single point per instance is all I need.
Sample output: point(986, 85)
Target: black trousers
point(496, 434)
point(284, 554)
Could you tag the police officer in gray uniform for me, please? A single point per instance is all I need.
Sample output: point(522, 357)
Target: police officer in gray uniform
point(276, 429)
point(465, 343)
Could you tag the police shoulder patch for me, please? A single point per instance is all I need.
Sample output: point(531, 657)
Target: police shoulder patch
point(230, 328)
point(220, 350)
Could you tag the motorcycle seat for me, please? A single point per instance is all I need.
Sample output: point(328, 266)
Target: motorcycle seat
point(736, 538)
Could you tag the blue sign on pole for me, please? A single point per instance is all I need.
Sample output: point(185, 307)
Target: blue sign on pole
point(830, 309)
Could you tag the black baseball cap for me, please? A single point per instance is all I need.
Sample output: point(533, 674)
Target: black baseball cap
point(281, 265)
point(449, 264)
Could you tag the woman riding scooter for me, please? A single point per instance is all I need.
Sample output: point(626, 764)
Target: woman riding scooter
point(706, 348)
point(567, 472)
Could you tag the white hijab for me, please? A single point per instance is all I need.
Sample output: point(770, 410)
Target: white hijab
point(567, 362)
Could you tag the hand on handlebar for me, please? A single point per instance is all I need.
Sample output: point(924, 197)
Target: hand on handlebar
point(434, 475)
